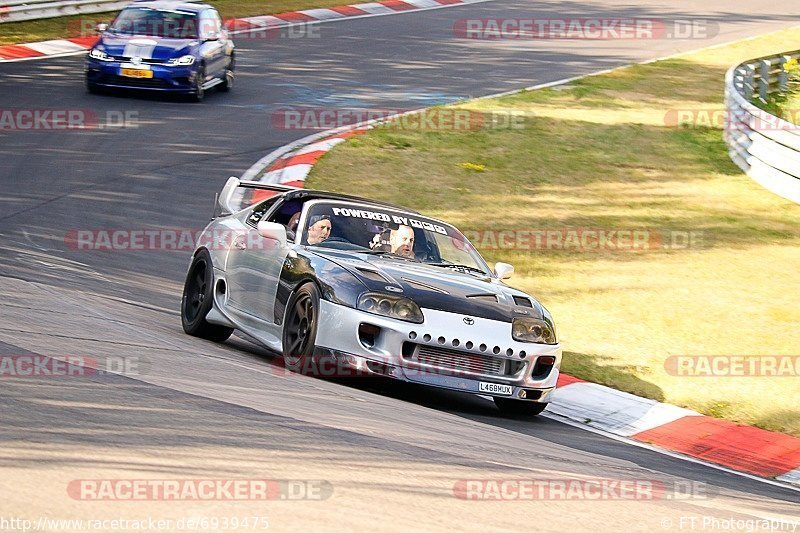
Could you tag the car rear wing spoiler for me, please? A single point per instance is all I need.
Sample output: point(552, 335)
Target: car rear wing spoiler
point(234, 195)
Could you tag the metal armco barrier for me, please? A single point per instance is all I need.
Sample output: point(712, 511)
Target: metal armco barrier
point(764, 146)
point(16, 10)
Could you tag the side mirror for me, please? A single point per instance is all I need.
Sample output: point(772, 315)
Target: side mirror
point(212, 36)
point(503, 270)
point(101, 27)
point(272, 230)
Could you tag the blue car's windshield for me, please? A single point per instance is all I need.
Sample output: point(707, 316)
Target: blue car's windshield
point(156, 23)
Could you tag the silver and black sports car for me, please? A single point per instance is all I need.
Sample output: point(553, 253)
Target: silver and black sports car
point(373, 288)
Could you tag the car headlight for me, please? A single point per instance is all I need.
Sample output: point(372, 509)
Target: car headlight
point(390, 306)
point(528, 329)
point(183, 60)
point(96, 53)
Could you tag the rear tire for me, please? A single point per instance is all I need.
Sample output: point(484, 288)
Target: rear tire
point(198, 299)
point(300, 327)
point(519, 408)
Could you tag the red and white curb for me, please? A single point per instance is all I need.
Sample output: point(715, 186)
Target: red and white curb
point(78, 45)
point(738, 447)
point(735, 447)
point(56, 47)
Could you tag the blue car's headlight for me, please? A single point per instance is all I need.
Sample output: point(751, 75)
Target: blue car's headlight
point(183, 60)
point(529, 329)
point(390, 306)
point(96, 53)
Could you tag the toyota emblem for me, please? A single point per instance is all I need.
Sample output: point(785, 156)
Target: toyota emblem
point(469, 321)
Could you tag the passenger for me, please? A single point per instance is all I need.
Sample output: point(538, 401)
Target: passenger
point(319, 229)
point(291, 226)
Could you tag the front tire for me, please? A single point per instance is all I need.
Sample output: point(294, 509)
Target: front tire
point(228, 77)
point(300, 326)
point(518, 408)
point(198, 299)
point(199, 80)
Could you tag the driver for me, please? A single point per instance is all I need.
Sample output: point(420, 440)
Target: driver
point(401, 241)
point(319, 229)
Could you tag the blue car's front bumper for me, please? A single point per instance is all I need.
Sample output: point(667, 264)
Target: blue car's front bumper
point(165, 78)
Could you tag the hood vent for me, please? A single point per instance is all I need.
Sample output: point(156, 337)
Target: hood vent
point(424, 285)
point(484, 297)
point(372, 274)
point(522, 301)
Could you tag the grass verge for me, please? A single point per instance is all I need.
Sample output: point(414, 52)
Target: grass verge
point(606, 152)
point(29, 31)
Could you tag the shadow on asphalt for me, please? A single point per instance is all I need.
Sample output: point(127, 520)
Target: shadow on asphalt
point(482, 410)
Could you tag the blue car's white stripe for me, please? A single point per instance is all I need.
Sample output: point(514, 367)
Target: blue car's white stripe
point(140, 48)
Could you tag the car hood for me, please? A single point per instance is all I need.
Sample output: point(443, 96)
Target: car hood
point(146, 47)
point(439, 288)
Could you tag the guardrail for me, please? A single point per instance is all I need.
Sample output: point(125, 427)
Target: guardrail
point(764, 146)
point(17, 10)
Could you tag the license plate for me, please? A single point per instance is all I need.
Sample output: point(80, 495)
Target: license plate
point(136, 73)
point(495, 388)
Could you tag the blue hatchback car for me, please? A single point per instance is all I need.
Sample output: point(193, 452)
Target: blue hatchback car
point(163, 45)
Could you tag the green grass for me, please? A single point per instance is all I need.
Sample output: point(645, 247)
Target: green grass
point(71, 26)
point(603, 154)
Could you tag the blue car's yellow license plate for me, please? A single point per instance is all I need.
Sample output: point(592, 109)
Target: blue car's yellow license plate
point(136, 73)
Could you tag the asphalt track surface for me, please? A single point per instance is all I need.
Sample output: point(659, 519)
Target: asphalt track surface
point(192, 409)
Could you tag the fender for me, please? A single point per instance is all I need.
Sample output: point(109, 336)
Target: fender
point(303, 268)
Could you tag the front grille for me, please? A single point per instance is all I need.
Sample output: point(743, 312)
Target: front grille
point(453, 360)
point(150, 83)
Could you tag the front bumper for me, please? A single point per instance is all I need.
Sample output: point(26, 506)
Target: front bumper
point(165, 78)
point(442, 352)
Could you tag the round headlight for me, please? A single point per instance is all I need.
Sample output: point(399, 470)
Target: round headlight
point(385, 307)
point(403, 309)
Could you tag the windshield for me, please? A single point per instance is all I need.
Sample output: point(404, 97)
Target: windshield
point(384, 231)
point(156, 23)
